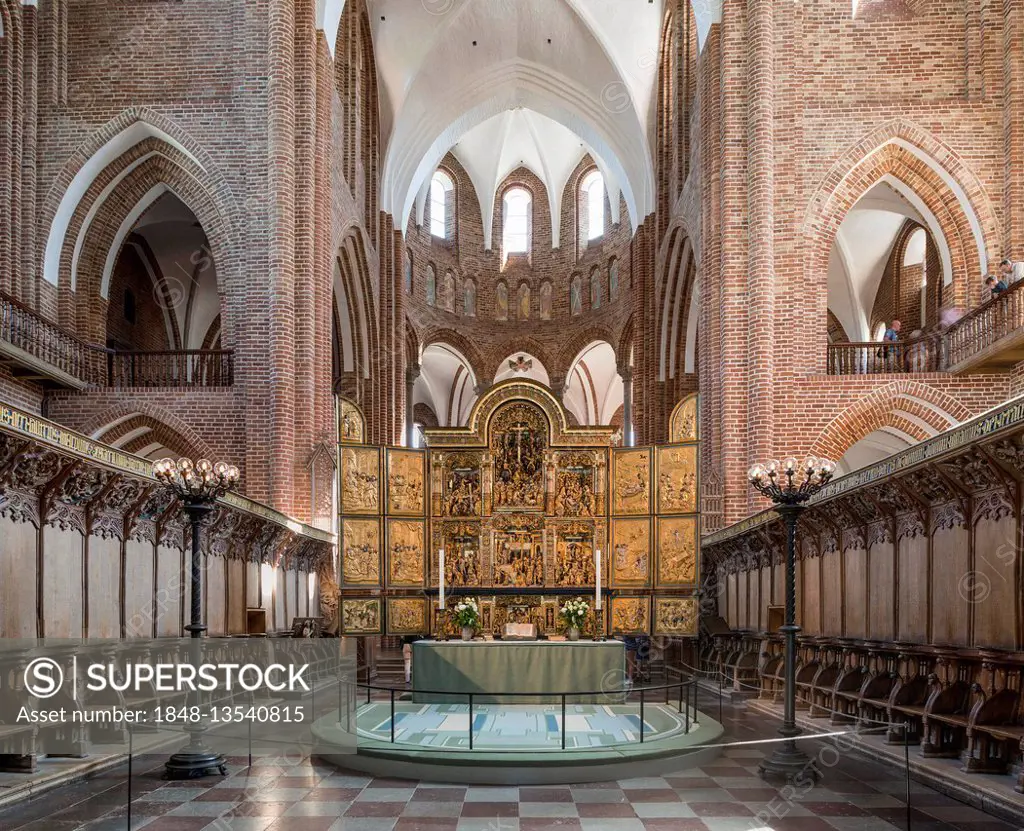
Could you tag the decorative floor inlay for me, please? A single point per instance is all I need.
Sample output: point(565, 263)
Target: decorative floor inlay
point(512, 727)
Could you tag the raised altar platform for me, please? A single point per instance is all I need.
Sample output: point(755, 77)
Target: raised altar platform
point(456, 668)
point(519, 744)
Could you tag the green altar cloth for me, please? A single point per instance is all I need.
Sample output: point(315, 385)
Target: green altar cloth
point(449, 667)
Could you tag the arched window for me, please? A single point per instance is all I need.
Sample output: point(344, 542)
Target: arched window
point(442, 207)
point(431, 286)
point(517, 225)
point(613, 281)
point(407, 275)
point(469, 298)
point(591, 210)
point(595, 288)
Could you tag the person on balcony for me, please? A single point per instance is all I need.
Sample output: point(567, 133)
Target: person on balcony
point(997, 287)
point(887, 352)
point(1010, 271)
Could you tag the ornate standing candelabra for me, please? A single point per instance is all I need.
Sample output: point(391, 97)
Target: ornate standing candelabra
point(197, 485)
point(789, 485)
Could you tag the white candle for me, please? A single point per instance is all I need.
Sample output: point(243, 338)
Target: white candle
point(440, 579)
point(597, 579)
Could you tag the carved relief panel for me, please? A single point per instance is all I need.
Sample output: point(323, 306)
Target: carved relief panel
point(576, 486)
point(675, 616)
point(360, 480)
point(677, 479)
point(631, 552)
point(683, 424)
point(406, 482)
point(518, 445)
point(518, 550)
point(463, 559)
point(457, 484)
point(631, 481)
point(361, 616)
point(360, 552)
point(574, 554)
point(631, 614)
point(677, 549)
point(406, 615)
point(351, 425)
point(406, 557)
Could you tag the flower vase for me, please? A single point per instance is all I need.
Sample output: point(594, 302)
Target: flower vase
point(467, 633)
point(574, 633)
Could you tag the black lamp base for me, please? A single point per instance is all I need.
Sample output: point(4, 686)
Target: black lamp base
point(788, 764)
point(193, 763)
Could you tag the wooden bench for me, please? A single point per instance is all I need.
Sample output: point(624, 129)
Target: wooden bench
point(808, 663)
point(846, 691)
point(995, 727)
point(908, 698)
point(876, 689)
point(824, 681)
point(944, 724)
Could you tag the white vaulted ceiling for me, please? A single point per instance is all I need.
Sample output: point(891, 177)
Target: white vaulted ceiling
point(524, 138)
point(579, 74)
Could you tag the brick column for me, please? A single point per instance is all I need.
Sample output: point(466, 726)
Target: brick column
point(626, 373)
point(30, 103)
point(412, 372)
point(761, 240)
point(733, 266)
point(273, 450)
point(1013, 131)
point(306, 274)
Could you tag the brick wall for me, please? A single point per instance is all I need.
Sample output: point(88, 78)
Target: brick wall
point(465, 257)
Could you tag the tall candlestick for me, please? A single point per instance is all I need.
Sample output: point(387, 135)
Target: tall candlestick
point(440, 578)
point(597, 579)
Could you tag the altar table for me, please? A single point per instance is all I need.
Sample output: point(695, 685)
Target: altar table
point(481, 666)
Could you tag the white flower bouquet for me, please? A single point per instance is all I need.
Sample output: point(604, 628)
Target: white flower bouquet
point(574, 613)
point(467, 613)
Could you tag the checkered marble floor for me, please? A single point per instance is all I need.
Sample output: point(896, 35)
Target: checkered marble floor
point(724, 795)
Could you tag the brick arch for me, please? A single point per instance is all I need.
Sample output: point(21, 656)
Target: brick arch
point(156, 431)
point(888, 406)
point(510, 346)
point(158, 172)
point(159, 419)
point(900, 148)
point(464, 345)
point(625, 340)
point(106, 152)
point(578, 341)
point(412, 344)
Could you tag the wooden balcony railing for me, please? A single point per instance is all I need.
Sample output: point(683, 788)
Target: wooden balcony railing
point(979, 330)
point(40, 349)
point(984, 326)
point(35, 336)
point(192, 368)
point(919, 355)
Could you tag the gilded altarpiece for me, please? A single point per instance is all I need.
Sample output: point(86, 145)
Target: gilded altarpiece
point(520, 501)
